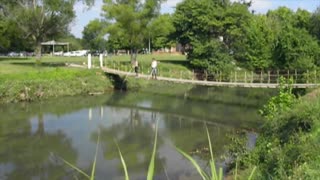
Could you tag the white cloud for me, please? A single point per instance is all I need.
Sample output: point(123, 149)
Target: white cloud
point(172, 3)
point(169, 6)
point(260, 6)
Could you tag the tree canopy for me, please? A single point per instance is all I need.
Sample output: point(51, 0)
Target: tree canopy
point(222, 35)
point(129, 20)
point(40, 20)
point(93, 35)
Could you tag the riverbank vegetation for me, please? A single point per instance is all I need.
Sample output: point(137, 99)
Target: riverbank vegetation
point(36, 82)
point(288, 144)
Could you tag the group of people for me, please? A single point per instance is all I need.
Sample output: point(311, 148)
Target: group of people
point(154, 64)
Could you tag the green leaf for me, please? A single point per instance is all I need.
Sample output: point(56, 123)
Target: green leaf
point(194, 163)
point(151, 165)
point(123, 162)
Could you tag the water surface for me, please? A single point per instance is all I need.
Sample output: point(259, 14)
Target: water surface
point(35, 136)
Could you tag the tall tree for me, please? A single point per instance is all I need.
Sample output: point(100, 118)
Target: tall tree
point(315, 23)
point(41, 20)
point(209, 30)
point(160, 29)
point(294, 47)
point(129, 19)
point(256, 50)
point(93, 35)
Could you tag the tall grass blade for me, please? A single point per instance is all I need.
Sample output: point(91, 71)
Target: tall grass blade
point(151, 165)
point(95, 158)
point(220, 177)
point(123, 162)
point(252, 172)
point(210, 146)
point(75, 168)
point(214, 175)
point(236, 170)
point(194, 163)
point(212, 164)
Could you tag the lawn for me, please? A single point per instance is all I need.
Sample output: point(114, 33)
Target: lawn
point(23, 79)
point(171, 65)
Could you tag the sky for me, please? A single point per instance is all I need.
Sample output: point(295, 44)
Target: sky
point(85, 15)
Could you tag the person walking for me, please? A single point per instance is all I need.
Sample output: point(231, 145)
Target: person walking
point(154, 65)
point(136, 66)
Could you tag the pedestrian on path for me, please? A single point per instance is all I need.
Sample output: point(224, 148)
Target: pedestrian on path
point(136, 66)
point(154, 65)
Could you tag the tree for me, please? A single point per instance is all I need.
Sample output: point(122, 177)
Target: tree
point(315, 23)
point(209, 30)
point(258, 45)
point(128, 21)
point(93, 35)
point(160, 29)
point(11, 36)
point(294, 47)
point(75, 43)
point(42, 19)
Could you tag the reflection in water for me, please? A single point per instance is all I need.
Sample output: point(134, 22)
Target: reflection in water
point(32, 135)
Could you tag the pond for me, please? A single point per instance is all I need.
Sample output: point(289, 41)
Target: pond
point(36, 137)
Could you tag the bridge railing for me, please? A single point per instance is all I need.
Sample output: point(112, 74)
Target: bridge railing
point(239, 76)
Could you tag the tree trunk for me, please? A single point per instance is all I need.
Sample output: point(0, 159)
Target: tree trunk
point(38, 52)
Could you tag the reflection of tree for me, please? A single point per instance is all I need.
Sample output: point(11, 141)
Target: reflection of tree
point(233, 106)
point(191, 136)
point(135, 138)
point(31, 153)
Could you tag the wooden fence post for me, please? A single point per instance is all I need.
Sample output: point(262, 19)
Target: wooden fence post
point(261, 76)
point(245, 76)
point(288, 72)
point(268, 77)
point(251, 76)
point(206, 75)
point(220, 76)
point(193, 74)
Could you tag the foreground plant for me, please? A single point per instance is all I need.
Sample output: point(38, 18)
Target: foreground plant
point(152, 161)
point(213, 174)
point(92, 176)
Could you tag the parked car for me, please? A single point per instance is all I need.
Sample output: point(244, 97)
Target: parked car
point(59, 53)
point(13, 54)
point(76, 53)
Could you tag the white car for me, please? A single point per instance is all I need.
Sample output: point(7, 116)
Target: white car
point(76, 53)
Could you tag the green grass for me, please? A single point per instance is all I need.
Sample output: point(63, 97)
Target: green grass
point(23, 79)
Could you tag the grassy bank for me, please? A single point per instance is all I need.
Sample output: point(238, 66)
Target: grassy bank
point(51, 82)
point(23, 79)
point(288, 145)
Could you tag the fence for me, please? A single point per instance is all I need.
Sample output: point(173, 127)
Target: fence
point(238, 76)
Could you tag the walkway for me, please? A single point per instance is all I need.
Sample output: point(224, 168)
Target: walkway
point(209, 83)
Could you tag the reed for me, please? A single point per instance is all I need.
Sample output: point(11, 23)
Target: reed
point(151, 167)
point(212, 174)
point(92, 176)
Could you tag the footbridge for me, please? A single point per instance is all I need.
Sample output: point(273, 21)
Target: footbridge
point(247, 80)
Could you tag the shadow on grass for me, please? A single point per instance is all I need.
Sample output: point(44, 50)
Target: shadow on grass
point(177, 62)
point(42, 64)
point(117, 82)
point(14, 58)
